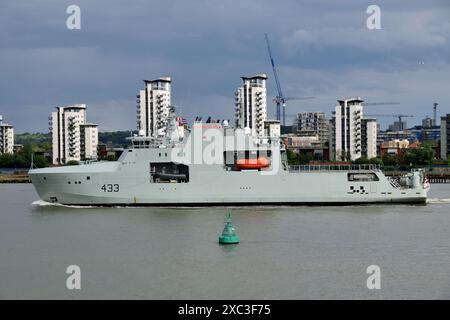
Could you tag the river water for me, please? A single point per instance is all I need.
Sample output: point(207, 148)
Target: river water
point(285, 253)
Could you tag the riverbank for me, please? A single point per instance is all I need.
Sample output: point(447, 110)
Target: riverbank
point(15, 177)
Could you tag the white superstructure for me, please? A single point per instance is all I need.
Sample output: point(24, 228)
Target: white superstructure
point(6, 137)
point(153, 103)
point(251, 104)
point(69, 134)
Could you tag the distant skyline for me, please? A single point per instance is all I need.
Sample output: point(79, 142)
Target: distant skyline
point(322, 49)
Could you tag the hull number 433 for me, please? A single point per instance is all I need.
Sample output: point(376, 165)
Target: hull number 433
point(110, 188)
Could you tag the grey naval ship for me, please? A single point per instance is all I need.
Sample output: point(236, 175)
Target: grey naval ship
point(239, 169)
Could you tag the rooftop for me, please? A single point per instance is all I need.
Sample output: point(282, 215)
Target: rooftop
point(256, 76)
point(161, 79)
point(74, 106)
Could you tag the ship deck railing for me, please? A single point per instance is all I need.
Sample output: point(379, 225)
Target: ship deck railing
point(337, 167)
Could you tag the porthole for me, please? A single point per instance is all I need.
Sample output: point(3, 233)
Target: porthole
point(88, 178)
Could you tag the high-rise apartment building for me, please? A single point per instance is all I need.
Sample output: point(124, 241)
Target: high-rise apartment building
point(6, 137)
point(445, 136)
point(369, 132)
point(89, 140)
point(153, 106)
point(351, 136)
point(72, 137)
point(251, 104)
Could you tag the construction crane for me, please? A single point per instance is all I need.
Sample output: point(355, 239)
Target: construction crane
point(399, 116)
point(368, 104)
point(379, 103)
point(280, 100)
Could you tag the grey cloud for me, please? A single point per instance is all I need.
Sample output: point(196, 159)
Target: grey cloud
point(321, 47)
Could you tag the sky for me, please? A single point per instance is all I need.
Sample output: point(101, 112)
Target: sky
point(322, 49)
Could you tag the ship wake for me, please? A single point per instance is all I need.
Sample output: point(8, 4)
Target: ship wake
point(439, 201)
point(42, 203)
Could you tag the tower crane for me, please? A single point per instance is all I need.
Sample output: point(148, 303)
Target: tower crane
point(379, 103)
point(280, 100)
point(399, 116)
point(366, 104)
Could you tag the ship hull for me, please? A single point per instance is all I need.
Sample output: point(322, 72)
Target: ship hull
point(115, 184)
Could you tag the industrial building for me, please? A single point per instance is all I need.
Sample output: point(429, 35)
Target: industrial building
point(311, 123)
point(6, 137)
point(308, 145)
point(72, 137)
point(153, 103)
point(397, 126)
point(251, 104)
point(427, 122)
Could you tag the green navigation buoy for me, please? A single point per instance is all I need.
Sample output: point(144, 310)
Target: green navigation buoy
point(228, 234)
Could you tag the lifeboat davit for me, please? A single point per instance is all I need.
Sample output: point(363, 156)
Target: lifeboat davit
point(257, 163)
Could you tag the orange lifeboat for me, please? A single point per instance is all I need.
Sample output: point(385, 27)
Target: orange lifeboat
point(257, 163)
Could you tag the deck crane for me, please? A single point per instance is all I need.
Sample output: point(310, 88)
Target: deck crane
point(280, 100)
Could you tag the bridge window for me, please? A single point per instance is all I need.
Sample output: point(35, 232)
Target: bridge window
point(369, 176)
